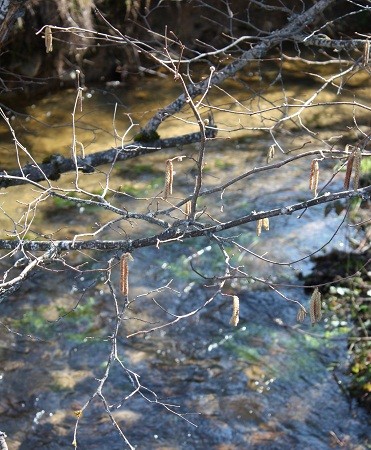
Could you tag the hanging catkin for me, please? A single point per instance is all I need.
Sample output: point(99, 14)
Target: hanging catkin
point(169, 175)
point(187, 211)
point(357, 168)
point(124, 273)
point(348, 171)
point(314, 176)
point(300, 316)
point(48, 39)
point(315, 307)
point(259, 225)
point(271, 152)
point(366, 53)
point(235, 312)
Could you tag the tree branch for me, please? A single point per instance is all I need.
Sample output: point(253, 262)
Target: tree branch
point(292, 31)
point(183, 230)
point(58, 164)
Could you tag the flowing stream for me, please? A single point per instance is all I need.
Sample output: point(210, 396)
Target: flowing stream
point(269, 383)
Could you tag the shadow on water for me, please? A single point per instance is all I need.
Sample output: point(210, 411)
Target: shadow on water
point(266, 384)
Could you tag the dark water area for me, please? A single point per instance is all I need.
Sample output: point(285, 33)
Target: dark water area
point(268, 383)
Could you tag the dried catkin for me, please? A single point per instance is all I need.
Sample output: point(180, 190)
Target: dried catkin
point(259, 225)
point(124, 273)
point(357, 168)
point(315, 307)
point(235, 312)
point(169, 175)
point(80, 98)
point(300, 316)
point(314, 176)
point(366, 53)
point(271, 152)
point(48, 39)
point(266, 223)
point(348, 172)
point(187, 211)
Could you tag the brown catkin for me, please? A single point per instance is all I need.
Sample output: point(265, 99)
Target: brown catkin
point(366, 53)
point(48, 39)
point(266, 223)
point(315, 307)
point(348, 172)
point(270, 154)
point(235, 312)
point(187, 206)
point(169, 175)
point(300, 316)
point(259, 225)
point(124, 273)
point(80, 98)
point(357, 168)
point(314, 176)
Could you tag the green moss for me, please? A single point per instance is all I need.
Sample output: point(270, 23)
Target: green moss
point(75, 324)
point(33, 323)
point(130, 189)
point(82, 311)
point(137, 169)
point(222, 164)
point(61, 203)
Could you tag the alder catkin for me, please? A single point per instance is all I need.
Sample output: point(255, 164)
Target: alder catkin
point(348, 171)
point(124, 273)
point(314, 176)
point(366, 53)
point(357, 168)
point(169, 175)
point(266, 223)
point(315, 307)
point(48, 39)
point(271, 152)
point(80, 98)
point(259, 225)
point(235, 312)
point(187, 206)
point(300, 316)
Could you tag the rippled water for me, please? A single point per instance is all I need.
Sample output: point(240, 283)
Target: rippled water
point(267, 384)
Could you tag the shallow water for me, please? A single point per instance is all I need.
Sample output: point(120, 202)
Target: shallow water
point(267, 384)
